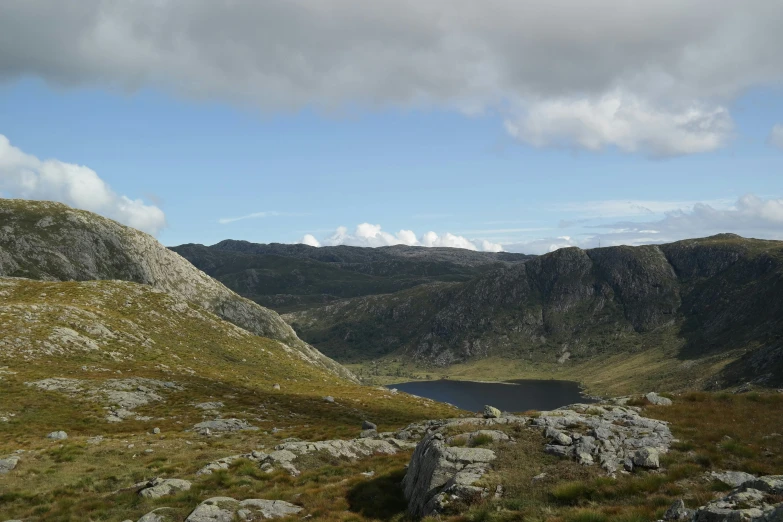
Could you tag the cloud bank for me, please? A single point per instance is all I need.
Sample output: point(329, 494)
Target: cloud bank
point(25, 176)
point(653, 76)
point(749, 216)
point(368, 235)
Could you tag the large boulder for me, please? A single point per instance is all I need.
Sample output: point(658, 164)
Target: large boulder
point(438, 474)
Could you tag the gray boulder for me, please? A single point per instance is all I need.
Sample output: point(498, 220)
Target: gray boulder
point(226, 509)
point(218, 425)
point(438, 474)
point(259, 509)
point(57, 435)
point(647, 458)
point(678, 511)
point(490, 412)
point(158, 487)
point(367, 425)
point(732, 478)
point(657, 400)
point(215, 509)
point(8, 464)
point(558, 437)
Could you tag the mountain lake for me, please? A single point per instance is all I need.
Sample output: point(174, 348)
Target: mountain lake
point(510, 396)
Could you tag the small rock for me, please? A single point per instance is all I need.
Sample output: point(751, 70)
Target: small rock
point(329, 398)
point(678, 511)
point(732, 478)
point(368, 474)
point(95, 440)
point(275, 386)
point(558, 437)
point(490, 412)
point(57, 435)
point(156, 431)
point(368, 434)
point(647, 458)
point(367, 425)
point(148, 451)
point(538, 477)
point(657, 400)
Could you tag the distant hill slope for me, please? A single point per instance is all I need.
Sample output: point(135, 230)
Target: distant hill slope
point(50, 241)
point(292, 277)
point(717, 302)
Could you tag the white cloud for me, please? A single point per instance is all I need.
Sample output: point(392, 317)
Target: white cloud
point(25, 176)
point(613, 208)
point(654, 76)
point(369, 235)
point(748, 216)
point(623, 121)
point(254, 215)
point(776, 136)
point(310, 240)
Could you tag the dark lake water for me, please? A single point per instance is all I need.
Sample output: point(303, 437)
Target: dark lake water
point(513, 396)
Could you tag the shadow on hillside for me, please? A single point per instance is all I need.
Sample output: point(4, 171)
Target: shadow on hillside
point(380, 498)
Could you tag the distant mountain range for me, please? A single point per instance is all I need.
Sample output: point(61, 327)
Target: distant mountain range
point(709, 311)
point(295, 277)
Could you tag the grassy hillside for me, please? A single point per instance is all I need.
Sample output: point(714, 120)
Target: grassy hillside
point(99, 335)
point(708, 312)
point(51, 241)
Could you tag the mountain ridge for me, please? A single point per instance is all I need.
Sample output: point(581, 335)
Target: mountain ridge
point(717, 296)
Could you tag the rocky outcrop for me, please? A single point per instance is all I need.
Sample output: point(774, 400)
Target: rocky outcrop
point(50, 241)
point(439, 474)
point(284, 456)
point(606, 434)
point(754, 501)
point(222, 425)
point(159, 487)
point(120, 396)
point(227, 509)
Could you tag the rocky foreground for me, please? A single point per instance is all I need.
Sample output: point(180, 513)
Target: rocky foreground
point(453, 457)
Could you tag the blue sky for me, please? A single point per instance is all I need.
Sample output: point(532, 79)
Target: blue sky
point(469, 175)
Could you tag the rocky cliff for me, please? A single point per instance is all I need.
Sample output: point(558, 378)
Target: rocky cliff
point(50, 241)
point(720, 296)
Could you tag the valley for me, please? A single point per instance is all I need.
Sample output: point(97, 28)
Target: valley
point(135, 387)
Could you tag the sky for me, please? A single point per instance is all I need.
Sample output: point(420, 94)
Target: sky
point(526, 127)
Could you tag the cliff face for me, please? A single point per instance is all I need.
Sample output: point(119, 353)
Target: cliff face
point(716, 295)
point(50, 241)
